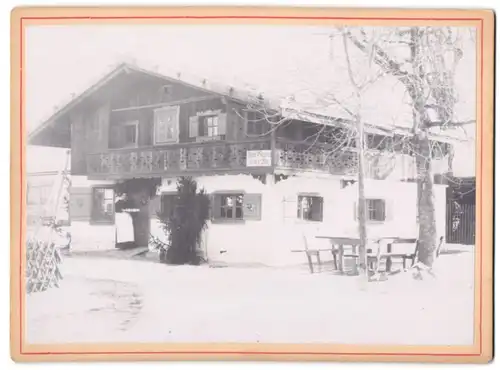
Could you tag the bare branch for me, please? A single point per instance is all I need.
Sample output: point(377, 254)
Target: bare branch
point(449, 124)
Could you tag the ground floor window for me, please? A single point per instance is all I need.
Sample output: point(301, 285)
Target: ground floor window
point(236, 206)
point(168, 204)
point(231, 207)
point(103, 205)
point(376, 210)
point(310, 208)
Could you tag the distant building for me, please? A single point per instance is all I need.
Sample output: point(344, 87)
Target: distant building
point(43, 179)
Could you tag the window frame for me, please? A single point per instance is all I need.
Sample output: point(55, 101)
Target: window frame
point(129, 124)
point(233, 208)
point(156, 113)
point(300, 210)
point(204, 119)
point(224, 220)
point(93, 220)
point(374, 209)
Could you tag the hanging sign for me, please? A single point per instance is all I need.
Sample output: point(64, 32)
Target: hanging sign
point(258, 158)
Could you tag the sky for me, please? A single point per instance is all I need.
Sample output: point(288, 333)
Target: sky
point(280, 61)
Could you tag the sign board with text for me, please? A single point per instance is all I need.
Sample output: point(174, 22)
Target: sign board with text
point(259, 158)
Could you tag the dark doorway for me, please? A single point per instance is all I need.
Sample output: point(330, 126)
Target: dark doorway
point(461, 211)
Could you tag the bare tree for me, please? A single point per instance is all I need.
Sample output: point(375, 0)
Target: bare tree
point(425, 65)
point(423, 60)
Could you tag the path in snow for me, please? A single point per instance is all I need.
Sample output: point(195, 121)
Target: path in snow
point(105, 300)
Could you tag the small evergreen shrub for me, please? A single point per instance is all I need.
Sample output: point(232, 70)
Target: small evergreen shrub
point(184, 223)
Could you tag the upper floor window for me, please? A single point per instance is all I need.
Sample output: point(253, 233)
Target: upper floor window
point(310, 208)
point(103, 205)
point(130, 133)
point(124, 134)
point(166, 125)
point(256, 126)
point(209, 126)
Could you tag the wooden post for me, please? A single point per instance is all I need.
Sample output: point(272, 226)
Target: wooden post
point(309, 261)
point(341, 258)
point(273, 149)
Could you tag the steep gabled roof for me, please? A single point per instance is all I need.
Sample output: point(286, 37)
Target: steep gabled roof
point(298, 109)
point(125, 68)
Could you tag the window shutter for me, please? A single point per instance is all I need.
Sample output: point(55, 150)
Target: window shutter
point(80, 204)
point(388, 210)
point(317, 210)
point(193, 126)
point(222, 123)
point(215, 207)
point(290, 208)
point(252, 206)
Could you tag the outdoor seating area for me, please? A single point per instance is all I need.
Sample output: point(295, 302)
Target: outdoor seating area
point(381, 254)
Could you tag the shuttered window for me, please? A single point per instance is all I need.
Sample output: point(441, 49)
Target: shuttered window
point(236, 207)
point(208, 126)
point(377, 210)
point(310, 208)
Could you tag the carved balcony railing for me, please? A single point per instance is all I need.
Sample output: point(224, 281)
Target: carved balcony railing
point(173, 159)
point(315, 157)
point(207, 157)
point(378, 164)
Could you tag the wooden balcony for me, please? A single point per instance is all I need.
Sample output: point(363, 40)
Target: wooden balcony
point(219, 157)
point(310, 156)
point(175, 160)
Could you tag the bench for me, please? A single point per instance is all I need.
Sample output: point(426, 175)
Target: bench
point(390, 254)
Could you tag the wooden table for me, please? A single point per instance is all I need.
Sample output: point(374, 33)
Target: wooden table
point(338, 244)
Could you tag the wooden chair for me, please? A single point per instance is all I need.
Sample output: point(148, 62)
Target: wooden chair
point(413, 257)
point(375, 261)
point(310, 253)
point(407, 256)
point(440, 245)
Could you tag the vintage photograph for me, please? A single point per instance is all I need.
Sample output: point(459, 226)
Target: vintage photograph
point(250, 183)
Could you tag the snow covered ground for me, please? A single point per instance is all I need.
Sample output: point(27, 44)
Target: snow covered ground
point(109, 300)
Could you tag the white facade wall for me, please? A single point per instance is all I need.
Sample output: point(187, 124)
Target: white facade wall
point(272, 239)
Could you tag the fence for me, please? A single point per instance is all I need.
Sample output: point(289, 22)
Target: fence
point(460, 223)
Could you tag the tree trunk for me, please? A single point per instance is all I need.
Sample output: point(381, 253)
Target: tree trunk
point(425, 197)
point(361, 198)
